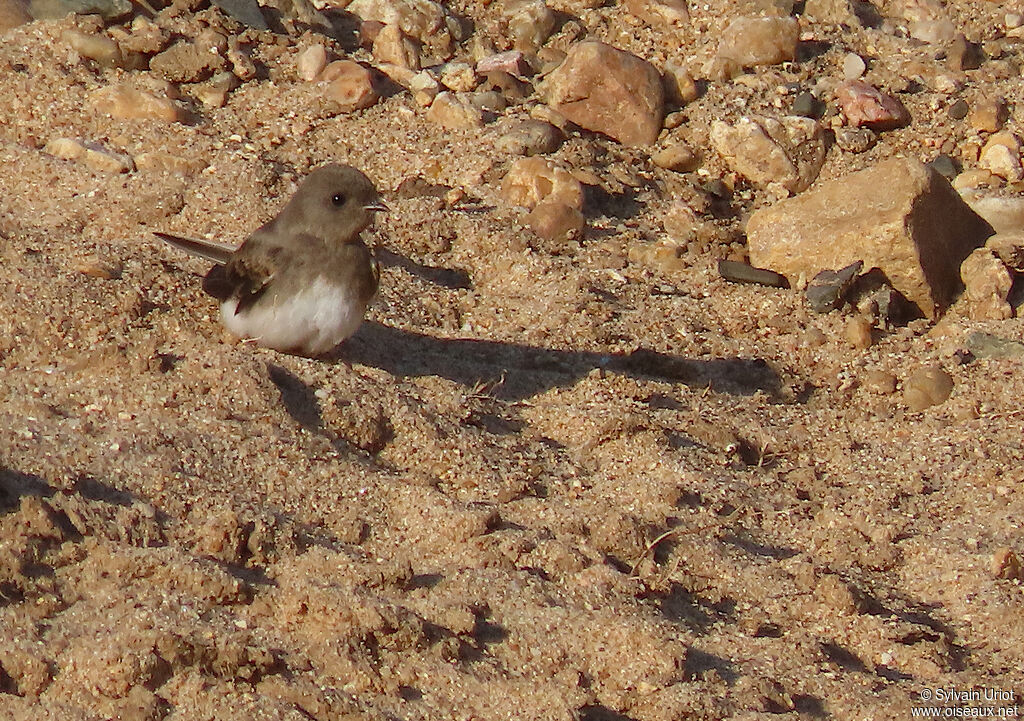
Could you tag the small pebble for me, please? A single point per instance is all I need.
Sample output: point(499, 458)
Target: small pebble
point(866, 106)
point(96, 47)
point(157, 161)
point(530, 23)
point(1001, 156)
point(814, 337)
point(556, 221)
point(424, 88)
point(958, 110)
point(752, 41)
point(808, 106)
point(858, 332)
point(964, 55)
point(241, 64)
point(855, 140)
point(928, 386)
point(529, 181)
point(975, 178)
point(512, 62)
point(394, 47)
point(245, 11)
point(987, 283)
point(186, 63)
point(214, 92)
point(125, 103)
point(1006, 565)
point(487, 101)
point(933, 31)
point(514, 89)
point(530, 137)
point(311, 62)
point(745, 273)
point(680, 87)
point(989, 115)
point(677, 157)
point(1010, 249)
point(945, 165)
point(879, 381)
point(349, 86)
point(92, 155)
point(458, 77)
point(853, 66)
point(450, 111)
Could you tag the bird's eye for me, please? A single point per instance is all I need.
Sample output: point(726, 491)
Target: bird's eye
point(338, 199)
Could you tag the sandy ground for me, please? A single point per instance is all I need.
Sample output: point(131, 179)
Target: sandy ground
point(541, 482)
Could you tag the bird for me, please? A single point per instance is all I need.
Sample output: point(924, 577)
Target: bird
point(299, 284)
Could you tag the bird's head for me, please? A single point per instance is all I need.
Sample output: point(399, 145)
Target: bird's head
point(335, 202)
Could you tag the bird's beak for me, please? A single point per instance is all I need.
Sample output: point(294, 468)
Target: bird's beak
point(377, 207)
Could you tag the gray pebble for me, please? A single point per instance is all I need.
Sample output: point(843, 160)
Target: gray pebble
point(986, 345)
point(529, 137)
point(828, 288)
point(958, 110)
point(743, 273)
point(808, 106)
point(946, 166)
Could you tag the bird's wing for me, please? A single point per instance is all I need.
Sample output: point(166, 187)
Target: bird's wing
point(247, 273)
point(218, 253)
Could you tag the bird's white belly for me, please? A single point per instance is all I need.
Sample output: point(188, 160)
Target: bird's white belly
point(312, 321)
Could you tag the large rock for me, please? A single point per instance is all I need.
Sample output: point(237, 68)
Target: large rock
point(900, 216)
point(609, 91)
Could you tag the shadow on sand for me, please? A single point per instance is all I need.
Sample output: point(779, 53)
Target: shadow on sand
point(514, 372)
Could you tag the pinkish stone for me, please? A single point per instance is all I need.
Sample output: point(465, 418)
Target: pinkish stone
point(866, 105)
point(512, 62)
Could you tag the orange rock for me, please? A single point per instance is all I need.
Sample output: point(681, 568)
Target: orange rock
point(350, 85)
point(396, 48)
point(988, 282)
point(532, 180)
point(552, 220)
point(900, 216)
point(609, 91)
point(750, 41)
point(125, 103)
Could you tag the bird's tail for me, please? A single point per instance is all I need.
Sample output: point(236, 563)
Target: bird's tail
point(212, 251)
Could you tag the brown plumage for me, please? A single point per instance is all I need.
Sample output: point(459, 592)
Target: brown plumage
point(300, 283)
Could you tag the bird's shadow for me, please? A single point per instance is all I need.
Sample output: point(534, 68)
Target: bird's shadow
point(512, 372)
point(444, 277)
